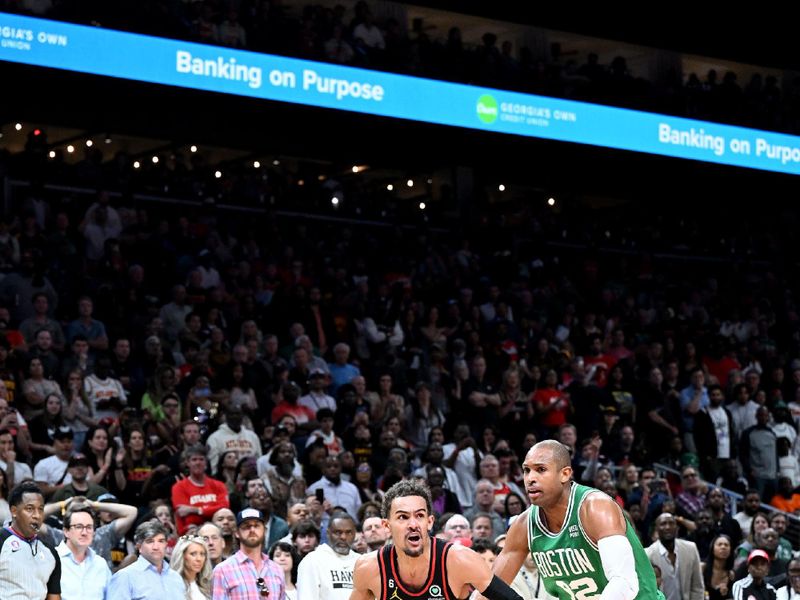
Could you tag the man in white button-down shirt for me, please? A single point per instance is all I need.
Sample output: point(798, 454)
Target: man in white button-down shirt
point(84, 574)
point(336, 490)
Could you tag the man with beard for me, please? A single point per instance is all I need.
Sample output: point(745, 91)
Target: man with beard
point(375, 532)
point(225, 519)
point(416, 565)
point(327, 572)
point(249, 574)
point(723, 522)
point(259, 498)
point(678, 560)
point(280, 474)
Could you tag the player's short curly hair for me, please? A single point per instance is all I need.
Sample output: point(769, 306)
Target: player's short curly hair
point(407, 487)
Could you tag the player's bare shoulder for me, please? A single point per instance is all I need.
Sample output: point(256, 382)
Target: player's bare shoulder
point(601, 516)
point(367, 577)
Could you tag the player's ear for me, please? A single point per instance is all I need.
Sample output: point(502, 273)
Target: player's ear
point(430, 519)
point(566, 474)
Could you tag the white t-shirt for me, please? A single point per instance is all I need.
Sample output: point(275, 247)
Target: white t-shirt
point(52, 470)
point(104, 389)
point(21, 471)
point(720, 420)
point(325, 575)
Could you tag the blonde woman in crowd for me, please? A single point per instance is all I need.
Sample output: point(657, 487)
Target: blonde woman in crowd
point(190, 560)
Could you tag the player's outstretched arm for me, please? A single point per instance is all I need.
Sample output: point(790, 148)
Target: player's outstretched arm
point(509, 561)
point(366, 576)
point(466, 567)
point(604, 523)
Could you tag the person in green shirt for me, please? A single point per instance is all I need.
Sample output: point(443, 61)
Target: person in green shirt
point(578, 537)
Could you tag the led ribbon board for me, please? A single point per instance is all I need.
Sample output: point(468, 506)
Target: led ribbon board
point(84, 49)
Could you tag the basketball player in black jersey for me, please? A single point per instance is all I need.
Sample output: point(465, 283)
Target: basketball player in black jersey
point(416, 566)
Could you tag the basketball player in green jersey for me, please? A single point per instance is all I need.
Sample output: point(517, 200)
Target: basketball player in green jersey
point(578, 537)
point(416, 566)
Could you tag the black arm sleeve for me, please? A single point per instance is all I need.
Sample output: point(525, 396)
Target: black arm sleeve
point(500, 590)
point(54, 583)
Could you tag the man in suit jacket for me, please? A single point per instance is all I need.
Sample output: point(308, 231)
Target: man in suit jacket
point(678, 560)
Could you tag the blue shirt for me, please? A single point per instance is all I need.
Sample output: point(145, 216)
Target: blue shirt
point(141, 581)
point(687, 395)
point(87, 580)
point(342, 374)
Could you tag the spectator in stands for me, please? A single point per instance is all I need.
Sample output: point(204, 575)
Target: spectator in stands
point(190, 560)
point(742, 410)
point(481, 526)
point(766, 540)
point(52, 473)
point(104, 392)
point(15, 471)
point(693, 496)
point(329, 564)
point(718, 574)
point(779, 522)
point(231, 435)
point(41, 321)
point(287, 558)
point(42, 348)
point(225, 519)
point(288, 405)
point(758, 452)
point(196, 498)
point(759, 523)
point(305, 537)
point(341, 370)
point(316, 398)
point(212, 536)
point(335, 490)
point(80, 485)
point(722, 521)
point(93, 330)
point(786, 500)
point(259, 498)
point(678, 561)
point(150, 576)
point(457, 528)
point(375, 532)
point(84, 574)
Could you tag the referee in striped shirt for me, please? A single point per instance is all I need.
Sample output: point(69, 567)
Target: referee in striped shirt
point(30, 569)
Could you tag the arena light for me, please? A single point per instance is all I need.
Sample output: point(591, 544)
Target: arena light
point(107, 140)
point(218, 174)
point(52, 154)
point(37, 132)
point(276, 162)
point(192, 149)
point(335, 201)
point(155, 160)
point(89, 143)
point(301, 182)
point(410, 183)
point(422, 206)
point(256, 164)
point(136, 164)
point(501, 188)
point(390, 187)
point(70, 148)
point(429, 180)
point(18, 126)
point(551, 201)
point(320, 177)
point(355, 169)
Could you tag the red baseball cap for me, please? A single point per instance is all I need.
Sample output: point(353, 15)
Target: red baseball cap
point(757, 553)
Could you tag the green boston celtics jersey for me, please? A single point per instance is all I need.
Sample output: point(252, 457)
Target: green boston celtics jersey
point(569, 562)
